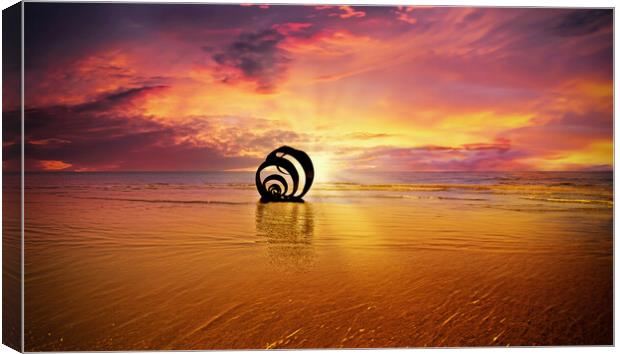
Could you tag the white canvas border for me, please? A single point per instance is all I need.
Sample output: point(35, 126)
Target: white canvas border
point(487, 3)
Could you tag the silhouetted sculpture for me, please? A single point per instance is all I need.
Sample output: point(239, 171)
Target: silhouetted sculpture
point(282, 178)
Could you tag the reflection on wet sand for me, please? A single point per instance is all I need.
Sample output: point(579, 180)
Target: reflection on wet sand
point(11, 261)
point(352, 268)
point(287, 228)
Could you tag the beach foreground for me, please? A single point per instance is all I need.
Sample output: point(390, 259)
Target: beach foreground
point(194, 261)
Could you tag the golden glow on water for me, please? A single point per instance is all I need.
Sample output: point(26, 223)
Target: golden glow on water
point(117, 267)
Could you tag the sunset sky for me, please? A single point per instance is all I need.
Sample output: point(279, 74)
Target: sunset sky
point(216, 87)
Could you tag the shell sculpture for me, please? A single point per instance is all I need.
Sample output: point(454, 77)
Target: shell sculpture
point(280, 176)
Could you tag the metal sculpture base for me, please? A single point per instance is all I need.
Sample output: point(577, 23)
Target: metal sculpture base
point(269, 200)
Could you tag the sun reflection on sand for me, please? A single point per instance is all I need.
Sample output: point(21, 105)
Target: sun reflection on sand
point(287, 228)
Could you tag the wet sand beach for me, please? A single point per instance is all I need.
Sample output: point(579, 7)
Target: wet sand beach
point(139, 261)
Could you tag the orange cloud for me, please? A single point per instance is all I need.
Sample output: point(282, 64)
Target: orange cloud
point(350, 12)
point(53, 165)
point(345, 11)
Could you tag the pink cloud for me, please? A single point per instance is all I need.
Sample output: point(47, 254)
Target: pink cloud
point(403, 13)
point(348, 12)
point(497, 155)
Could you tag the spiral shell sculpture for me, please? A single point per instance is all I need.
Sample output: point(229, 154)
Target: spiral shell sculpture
point(280, 176)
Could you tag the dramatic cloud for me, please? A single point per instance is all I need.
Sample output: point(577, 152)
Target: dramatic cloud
point(255, 57)
point(104, 135)
point(497, 155)
point(582, 22)
point(215, 87)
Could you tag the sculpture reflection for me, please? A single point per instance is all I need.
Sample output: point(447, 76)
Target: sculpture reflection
point(287, 229)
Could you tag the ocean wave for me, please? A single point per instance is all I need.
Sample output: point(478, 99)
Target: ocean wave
point(159, 201)
point(462, 198)
point(567, 200)
point(596, 208)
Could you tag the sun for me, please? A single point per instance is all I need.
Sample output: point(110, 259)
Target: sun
point(324, 168)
